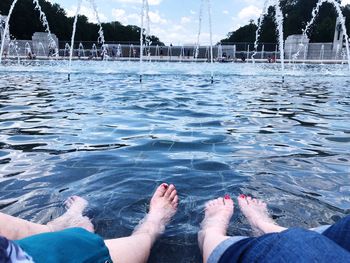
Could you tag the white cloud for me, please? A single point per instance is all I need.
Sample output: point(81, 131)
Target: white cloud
point(345, 2)
point(124, 18)
point(88, 12)
point(249, 12)
point(225, 12)
point(185, 20)
point(156, 18)
point(150, 2)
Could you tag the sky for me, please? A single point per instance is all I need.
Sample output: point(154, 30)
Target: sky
point(175, 21)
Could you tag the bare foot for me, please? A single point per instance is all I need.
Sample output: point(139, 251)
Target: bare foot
point(257, 215)
point(73, 217)
point(218, 213)
point(163, 207)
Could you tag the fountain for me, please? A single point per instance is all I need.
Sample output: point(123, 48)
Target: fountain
point(341, 18)
point(322, 54)
point(170, 53)
point(144, 12)
point(234, 52)
point(43, 20)
point(73, 37)
point(27, 49)
point(40, 46)
point(279, 22)
point(81, 51)
point(220, 53)
point(182, 53)
point(337, 52)
point(66, 50)
point(119, 51)
point(101, 38)
point(262, 51)
point(94, 52)
point(196, 50)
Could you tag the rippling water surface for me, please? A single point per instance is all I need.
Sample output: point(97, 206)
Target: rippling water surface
point(111, 140)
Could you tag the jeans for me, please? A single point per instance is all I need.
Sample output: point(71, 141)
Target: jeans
point(294, 245)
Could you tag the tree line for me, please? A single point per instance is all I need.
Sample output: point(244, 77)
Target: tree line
point(25, 21)
point(297, 13)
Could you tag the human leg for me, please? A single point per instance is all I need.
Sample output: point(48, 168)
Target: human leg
point(258, 217)
point(15, 228)
point(213, 231)
point(163, 207)
point(340, 233)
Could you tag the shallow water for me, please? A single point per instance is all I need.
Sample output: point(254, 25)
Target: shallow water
point(111, 140)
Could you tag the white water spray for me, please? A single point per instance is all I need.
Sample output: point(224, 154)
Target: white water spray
point(315, 12)
point(73, 37)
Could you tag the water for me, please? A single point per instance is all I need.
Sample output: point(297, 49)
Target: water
point(73, 36)
point(111, 140)
point(341, 18)
point(279, 20)
point(43, 20)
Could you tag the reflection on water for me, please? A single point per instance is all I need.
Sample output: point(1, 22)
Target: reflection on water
point(111, 140)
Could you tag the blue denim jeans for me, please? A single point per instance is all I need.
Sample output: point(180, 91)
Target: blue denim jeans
point(292, 245)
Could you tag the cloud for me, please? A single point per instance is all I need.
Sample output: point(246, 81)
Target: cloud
point(150, 2)
point(225, 12)
point(345, 2)
point(156, 18)
point(124, 18)
point(88, 12)
point(185, 20)
point(249, 12)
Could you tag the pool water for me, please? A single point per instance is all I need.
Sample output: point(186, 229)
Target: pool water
point(111, 140)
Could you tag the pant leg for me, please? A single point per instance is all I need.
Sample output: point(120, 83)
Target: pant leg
point(340, 233)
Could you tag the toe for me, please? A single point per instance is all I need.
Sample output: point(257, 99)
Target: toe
point(172, 195)
point(175, 202)
point(220, 201)
point(242, 200)
point(170, 189)
point(161, 190)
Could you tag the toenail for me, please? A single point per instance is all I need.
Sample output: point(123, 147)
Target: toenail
point(227, 197)
point(242, 196)
point(165, 186)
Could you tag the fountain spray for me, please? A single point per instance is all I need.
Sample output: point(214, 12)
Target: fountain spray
point(211, 41)
point(279, 20)
point(315, 12)
point(6, 28)
point(73, 37)
point(101, 37)
point(141, 38)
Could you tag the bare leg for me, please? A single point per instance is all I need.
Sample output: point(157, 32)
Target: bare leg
point(218, 214)
point(15, 228)
point(257, 215)
point(137, 247)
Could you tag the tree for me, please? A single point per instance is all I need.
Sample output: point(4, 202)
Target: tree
point(25, 21)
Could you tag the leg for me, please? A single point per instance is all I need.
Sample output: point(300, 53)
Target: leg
point(15, 228)
point(256, 213)
point(340, 233)
point(218, 213)
point(162, 208)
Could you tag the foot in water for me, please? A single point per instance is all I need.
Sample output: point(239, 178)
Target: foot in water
point(218, 213)
point(163, 207)
point(73, 217)
point(257, 215)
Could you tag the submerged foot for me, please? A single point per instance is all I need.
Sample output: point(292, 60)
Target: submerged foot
point(163, 207)
point(73, 217)
point(218, 213)
point(257, 215)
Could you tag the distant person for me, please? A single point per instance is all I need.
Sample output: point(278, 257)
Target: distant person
point(70, 238)
point(269, 59)
point(272, 243)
